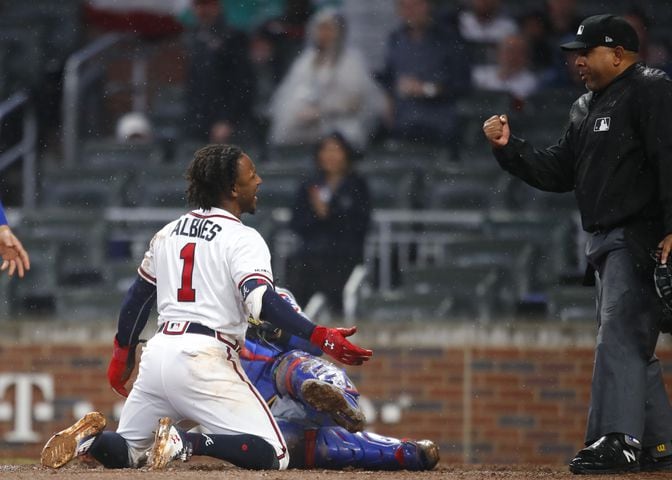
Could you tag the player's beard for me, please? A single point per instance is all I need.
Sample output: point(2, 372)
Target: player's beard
point(252, 208)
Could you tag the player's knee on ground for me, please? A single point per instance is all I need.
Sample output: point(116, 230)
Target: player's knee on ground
point(257, 454)
point(111, 450)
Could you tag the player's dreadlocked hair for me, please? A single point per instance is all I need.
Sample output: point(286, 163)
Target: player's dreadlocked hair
point(212, 172)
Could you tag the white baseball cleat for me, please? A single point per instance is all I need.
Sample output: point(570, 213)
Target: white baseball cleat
point(168, 445)
point(62, 447)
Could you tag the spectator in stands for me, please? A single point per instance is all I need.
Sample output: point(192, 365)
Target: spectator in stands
point(562, 18)
point(484, 22)
point(655, 54)
point(426, 70)
point(327, 88)
point(293, 24)
point(134, 127)
point(14, 256)
point(564, 74)
point(511, 74)
point(331, 215)
point(264, 48)
point(219, 77)
point(369, 24)
point(534, 27)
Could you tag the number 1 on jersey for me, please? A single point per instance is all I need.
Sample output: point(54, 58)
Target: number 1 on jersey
point(186, 293)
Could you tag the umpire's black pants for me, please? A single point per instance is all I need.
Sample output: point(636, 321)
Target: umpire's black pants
point(627, 392)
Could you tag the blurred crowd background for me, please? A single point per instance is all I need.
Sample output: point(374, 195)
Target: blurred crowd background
point(381, 200)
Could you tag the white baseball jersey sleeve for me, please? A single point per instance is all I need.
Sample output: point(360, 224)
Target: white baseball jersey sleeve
point(198, 263)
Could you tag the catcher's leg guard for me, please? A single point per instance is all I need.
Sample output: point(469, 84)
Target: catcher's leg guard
point(294, 434)
point(321, 385)
point(336, 448)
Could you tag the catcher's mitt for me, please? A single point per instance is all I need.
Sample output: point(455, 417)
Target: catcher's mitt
point(662, 279)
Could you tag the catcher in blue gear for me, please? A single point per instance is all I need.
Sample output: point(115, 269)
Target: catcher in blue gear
point(316, 406)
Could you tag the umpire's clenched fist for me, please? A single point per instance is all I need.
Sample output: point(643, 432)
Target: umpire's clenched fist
point(496, 129)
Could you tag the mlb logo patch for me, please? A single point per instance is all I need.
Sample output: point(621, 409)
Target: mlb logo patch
point(175, 328)
point(602, 124)
point(580, 30)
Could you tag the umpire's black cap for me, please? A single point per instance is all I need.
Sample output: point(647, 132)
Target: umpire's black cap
point(606, 31)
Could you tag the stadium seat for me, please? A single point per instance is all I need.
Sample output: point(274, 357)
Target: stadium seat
point(58, 23)
point(184, 152)
point(278, 190)
point(88, 303)
point(36, 293)
point(292, 154)
point(78, 237)
point(513, 260)
point(391, 187)
point(460, 195)
point(408, 303)
point(570, 303)
point(163, 192)
point(553, 235)
point(22, 57)
point(78, 190)
point(473, 289)
point(106, 154)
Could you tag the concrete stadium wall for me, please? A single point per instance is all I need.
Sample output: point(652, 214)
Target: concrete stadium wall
point(486, 395)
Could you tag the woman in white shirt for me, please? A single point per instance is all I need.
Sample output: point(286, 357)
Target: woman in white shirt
point(328, 88)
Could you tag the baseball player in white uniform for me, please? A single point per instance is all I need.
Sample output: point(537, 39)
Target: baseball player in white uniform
point(210, 275)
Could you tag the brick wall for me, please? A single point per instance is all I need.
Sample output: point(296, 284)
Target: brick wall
point(503, 404)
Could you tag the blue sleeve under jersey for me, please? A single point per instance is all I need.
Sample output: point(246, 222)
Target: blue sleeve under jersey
point(281, 314)
point(135, 311)
point(3, 218)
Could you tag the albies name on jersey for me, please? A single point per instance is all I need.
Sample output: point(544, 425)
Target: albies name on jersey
point(197, 228)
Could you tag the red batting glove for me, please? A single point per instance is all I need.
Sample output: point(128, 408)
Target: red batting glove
point(332, 341)
point(121, 367)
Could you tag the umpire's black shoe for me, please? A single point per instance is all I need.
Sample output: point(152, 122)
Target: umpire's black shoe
point(656, 458)
point(613, 453)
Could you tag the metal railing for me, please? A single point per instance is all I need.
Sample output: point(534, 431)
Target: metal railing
point(384, 236)
point(82, 69)
point(26, 147)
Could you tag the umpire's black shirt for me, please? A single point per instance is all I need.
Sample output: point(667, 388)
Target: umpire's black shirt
point(616, 153)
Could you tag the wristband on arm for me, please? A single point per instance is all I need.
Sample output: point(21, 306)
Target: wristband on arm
point(331, 341)
point(3, 217)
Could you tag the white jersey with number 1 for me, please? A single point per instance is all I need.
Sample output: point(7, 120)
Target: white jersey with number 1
point(198, 264)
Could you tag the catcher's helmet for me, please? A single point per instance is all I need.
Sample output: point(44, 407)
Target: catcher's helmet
point(662, 277)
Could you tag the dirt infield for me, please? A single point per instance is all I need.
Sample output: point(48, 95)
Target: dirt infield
point(206, 471)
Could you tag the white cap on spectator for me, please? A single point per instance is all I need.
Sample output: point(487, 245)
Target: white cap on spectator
point(134, 126)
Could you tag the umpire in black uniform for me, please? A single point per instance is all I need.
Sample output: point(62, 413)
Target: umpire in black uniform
point(616, 155)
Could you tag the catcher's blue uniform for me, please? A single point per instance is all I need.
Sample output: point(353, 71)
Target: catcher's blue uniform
point(316, 406)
